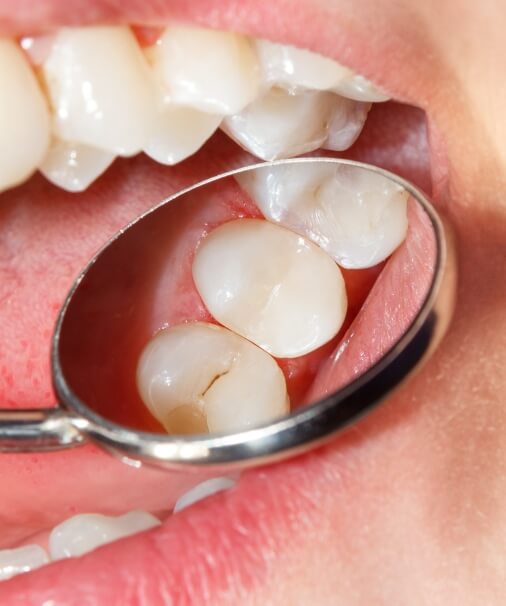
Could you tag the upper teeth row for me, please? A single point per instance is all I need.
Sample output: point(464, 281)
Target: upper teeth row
point(95, 94)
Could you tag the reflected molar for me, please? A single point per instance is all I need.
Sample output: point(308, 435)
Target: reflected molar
point(199, 377)
point(24, 117)
point(179, 132)
point(21, 559)
point(74, 166)
point(271, 286)
point(84, 532)
point(100, 89)
point(212, 71)
point(359, 219)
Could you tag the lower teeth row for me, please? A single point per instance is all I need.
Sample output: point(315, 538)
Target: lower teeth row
point(108, 97)
point(83, 533)
point(275, 292)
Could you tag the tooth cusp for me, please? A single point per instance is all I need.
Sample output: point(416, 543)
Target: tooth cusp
point(271, 286)
point(357, 217)
point(198, 377)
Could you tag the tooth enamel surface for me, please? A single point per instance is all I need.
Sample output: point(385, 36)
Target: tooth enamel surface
point(357, 217)
point(84, 532)
point(74, 166)
point(100, 89)
point(359, 88)
point(24, 117)
point(212, 71)
point(281, 125)
point(295, 68)
point(271, 286)
point(202, 491)
point(179, 132)
point(21, 559)
point(346, 123)
point(199, 377)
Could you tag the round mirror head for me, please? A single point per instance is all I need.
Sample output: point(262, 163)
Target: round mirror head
point(254, 314)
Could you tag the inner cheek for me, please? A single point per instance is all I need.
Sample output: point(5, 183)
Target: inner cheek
point(155, 295)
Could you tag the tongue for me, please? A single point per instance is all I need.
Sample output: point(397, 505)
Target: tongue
point(48, 235)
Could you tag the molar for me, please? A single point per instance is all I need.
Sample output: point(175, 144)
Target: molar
point(100, 89)
point(199, 377)
point(202, 491)
point(357, 217)
point(24, 117)
point(271, 286)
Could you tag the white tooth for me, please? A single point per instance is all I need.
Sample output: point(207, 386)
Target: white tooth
point(358, 217)
point(271, 286)
point(359, 88)
point(100, 89)
point(179, 132)
point(202, 491)
point(199, 377)
point(85, 532)
point(281, 125)
point(212, 71)
point(21, 559)
point(24, 117)
point(346, 123)
point(295, 68)
point(74, 166)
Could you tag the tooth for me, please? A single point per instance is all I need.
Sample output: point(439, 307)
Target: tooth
point(212, 71)
point(357, 217)
point(74, 166)
point(295, 68)
point(202, 491)
point(281, 125)
point(359, 88)
point(24, 117)
point(200, 377)
point(179, 132)
point(85, 532)
point(271, 286)
point(21, 559)
point(346, 123)
point(100, 89)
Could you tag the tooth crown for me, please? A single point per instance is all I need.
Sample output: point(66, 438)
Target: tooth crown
point(100, 88)
point(199, 377)
point(24, 117)
point(271, 286)
point(212, 71)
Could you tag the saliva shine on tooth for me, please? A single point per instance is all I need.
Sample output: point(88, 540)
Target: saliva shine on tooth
point(270, 285)
point(199, 377)
point(357, 217)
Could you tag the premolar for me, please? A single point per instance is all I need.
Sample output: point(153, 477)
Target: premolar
point(212, 71)
point(100, 89)
point(199, 377)
point(357, 217)
point(24, 117)
point(84, 532)
point(202, 491)
point(271, 286)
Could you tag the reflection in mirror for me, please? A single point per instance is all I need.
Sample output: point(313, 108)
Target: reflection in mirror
point(247, 297)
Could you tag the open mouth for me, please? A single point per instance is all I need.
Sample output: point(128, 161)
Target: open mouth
point(49, 234)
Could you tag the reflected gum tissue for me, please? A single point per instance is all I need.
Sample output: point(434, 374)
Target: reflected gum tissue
point(65, 119)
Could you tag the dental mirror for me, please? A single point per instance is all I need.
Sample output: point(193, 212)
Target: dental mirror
point(361, 292)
